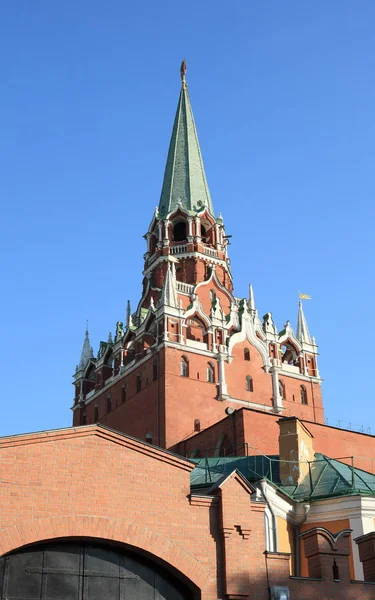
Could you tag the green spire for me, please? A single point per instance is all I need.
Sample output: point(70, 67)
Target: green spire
point(184, 178)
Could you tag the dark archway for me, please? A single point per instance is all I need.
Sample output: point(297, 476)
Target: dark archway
point(84, 571)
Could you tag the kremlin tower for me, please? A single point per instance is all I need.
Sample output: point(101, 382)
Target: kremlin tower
point(193, 351)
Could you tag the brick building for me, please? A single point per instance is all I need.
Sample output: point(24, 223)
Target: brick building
point(198, 465)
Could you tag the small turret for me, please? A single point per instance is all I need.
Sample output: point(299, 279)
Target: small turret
point(87, 352)
point(303, 334)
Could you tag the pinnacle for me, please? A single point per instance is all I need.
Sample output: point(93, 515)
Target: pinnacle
point(185, 181)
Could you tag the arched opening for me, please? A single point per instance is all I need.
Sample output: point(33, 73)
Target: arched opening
point(246, 354)
point(123, 392)
point(249, 383)
point(289, 354)
point(86, 570)
point(203, 234)
point(282, 389)
point(109, 403)
point(210, 373)
point(303, 395)
point(197, 425)
point(139, 382)
point(96, 413)
point(195, 330)
point(184, 367)
point(179, 232)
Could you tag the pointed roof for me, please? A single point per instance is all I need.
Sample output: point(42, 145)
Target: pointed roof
point(303, 334)
point(251, 298)
point(87, 352)
point(185, 181)
point(169, 292)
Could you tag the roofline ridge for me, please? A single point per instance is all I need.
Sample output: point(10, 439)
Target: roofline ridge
point(208, 195)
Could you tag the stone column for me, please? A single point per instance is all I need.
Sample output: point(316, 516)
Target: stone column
point(223, 390)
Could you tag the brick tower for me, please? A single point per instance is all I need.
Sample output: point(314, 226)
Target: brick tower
point(193, 350)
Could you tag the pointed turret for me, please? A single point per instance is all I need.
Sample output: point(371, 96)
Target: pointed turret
point(87, 352)
point(251, 302)
point(303, 334)
point(169, 293)
point(184, 178)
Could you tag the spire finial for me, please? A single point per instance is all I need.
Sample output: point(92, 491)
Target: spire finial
point(183, 70)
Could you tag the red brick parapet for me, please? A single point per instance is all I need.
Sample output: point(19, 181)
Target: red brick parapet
point(327, 553)
point(366, 547)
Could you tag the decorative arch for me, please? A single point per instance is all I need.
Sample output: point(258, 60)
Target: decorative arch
point(106, 528)
point(248, 333)
point(196, 311)
point(214, 278)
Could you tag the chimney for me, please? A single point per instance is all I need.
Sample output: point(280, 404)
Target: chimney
point(296, 449)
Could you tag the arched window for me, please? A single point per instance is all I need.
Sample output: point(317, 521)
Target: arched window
point(282, 389)
point(149, 437)
point(155, 370)
point(210, 373)
point(303, 395)
point(203, 234)
point(96, 413)
point(197, 425)
point(109, 403)
point(123, 392)
point(249, 383)
point(179, 231)
point(139, 382)
point(84, 418)
point(184, 367)
point(246, 354)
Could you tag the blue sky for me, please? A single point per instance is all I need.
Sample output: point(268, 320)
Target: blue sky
point(283, 95)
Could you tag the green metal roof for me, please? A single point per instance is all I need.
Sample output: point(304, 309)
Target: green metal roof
point(327, 477)
point(184, 177)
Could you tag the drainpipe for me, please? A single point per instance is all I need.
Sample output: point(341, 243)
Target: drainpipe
point(263, 487)
point(297, 542)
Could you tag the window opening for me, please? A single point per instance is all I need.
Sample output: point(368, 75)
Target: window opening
point(246, 354)
point(249, 384)
point(303, 395)
point(184, 367)
point(179, 231)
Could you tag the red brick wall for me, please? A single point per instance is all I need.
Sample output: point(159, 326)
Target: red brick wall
point(92, 482)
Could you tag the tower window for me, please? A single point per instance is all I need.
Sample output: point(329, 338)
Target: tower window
point(249, 383)
point(303, 395)
point(123, 392)
point(84, 418)
point(197, 425)
point(139, 382)
point(109, 403)
point(246, 354)
point(184, 367)
point(203, 234)
point(96, 414)
point(179, 232)
point(210, 373)
point(282, 389)
point(155, 370)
